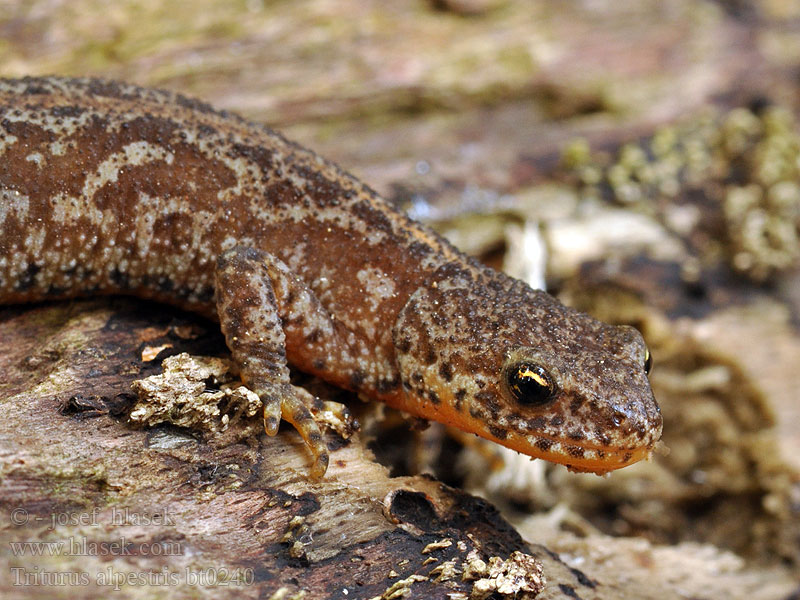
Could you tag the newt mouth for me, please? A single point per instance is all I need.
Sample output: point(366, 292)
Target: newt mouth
point(584, 458)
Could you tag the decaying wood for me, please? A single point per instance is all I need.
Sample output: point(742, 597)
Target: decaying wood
point(92, 504)
point(182, 509)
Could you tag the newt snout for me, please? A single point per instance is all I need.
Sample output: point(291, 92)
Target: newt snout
point(545, 380)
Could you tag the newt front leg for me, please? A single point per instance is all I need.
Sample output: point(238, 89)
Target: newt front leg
point(258, 298)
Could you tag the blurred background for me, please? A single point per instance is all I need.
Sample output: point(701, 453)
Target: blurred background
point(640, 160)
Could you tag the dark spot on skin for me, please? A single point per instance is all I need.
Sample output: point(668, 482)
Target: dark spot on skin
point(34, 89)
point(156, 129)
point(627, 457)
point(300, 415)
point(314, 336)
point(387, 385)
point(357, 378)
point(375, 219)
point(244, 300)
point(291, 296)
point(543, 444)
point(497, 432)
point(575, 451)
point(418, 250)
point(441, 320)
point(430, 357)
point(575, 435)
point(165, 284)
point(433, 397)
point(314, 436)
point(459, 396)
point(557, 421)
point(202, 107)
point(416, 378)
point(516, 421)
point(279, 193)
point(28, 277)
point(404, 346)
point(446, 371)
point(205, 295)
point(537, 423)
point(120, 279)
point(326, 193)
point(575, 405)
point(204, 130)
point(260, 155)
point(67, 111)
point(298, 321)
point(97, 87)
point(488, 399)
point(318, 364)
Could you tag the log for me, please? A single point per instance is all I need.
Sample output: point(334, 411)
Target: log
point(230, 513)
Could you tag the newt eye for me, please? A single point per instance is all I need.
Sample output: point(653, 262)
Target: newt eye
point(648, 361)
point(530, 384)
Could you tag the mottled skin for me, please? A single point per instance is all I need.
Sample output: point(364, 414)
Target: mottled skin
point(107, 188)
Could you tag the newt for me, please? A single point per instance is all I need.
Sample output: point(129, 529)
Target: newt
point(109, 188)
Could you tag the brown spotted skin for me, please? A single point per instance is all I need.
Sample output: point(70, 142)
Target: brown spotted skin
point(107, 188)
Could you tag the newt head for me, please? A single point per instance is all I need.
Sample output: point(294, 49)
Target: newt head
point(489, 355)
